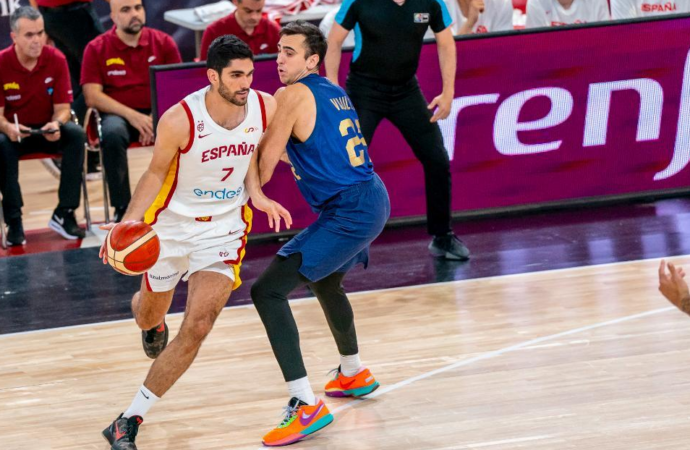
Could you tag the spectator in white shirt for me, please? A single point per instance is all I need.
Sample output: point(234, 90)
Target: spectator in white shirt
point(326, 24)
point(553, 13)
point(485, 16)
point(480, 16)
point(628, 9)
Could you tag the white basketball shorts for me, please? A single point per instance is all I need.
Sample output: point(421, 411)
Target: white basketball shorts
point(190, 245)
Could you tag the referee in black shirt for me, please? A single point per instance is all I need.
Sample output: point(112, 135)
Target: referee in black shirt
point(382, 85)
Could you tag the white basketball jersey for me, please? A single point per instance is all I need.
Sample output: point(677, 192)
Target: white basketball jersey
point(207, 177)
point(550, 13)
point(627, 9)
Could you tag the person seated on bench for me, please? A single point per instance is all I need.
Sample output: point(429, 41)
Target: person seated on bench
point(35, 117)
point(115, 81)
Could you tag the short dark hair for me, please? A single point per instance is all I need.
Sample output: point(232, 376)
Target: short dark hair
point(314, 40)
point(23, 12)
point(226, 48)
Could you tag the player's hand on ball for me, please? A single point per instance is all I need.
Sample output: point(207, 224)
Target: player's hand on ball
point(673, 286)
point(274, 211)
point(103, 252)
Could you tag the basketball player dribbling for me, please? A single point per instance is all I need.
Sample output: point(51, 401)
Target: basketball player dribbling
point(332, 168)
point(194, 194)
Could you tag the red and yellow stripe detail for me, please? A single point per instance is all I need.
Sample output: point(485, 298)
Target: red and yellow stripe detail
point(165, 194)
point(247, 215)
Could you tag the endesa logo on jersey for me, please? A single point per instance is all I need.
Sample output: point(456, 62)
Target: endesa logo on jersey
point(659, 7)
point(225, 151)
point(221, 194)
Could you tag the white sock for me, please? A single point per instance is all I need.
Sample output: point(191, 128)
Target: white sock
point(302, 390)
point(142, 402)
point(350, 365)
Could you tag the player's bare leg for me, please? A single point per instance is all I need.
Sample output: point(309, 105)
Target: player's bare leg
point(208, 294)
point(149, 310)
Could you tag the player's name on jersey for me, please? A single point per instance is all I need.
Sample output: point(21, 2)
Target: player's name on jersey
point(342, 104)
point(225, 151)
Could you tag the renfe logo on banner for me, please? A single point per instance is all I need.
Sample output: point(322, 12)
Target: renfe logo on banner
point(537, 118)
point(598, 101)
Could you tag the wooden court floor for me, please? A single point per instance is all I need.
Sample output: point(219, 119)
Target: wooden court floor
point(586, 358)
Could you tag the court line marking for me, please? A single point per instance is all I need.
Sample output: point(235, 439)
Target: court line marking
point(357, 293)
point(495, 353)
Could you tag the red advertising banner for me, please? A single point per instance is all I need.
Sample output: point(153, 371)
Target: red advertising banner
point(538, 117)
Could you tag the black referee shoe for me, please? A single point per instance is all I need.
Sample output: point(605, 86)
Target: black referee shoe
point(122, 433)
point(155, 340)
point(449, 247)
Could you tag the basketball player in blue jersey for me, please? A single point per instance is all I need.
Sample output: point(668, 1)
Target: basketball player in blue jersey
point(316, 121)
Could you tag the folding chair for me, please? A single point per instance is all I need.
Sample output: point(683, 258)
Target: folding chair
point(94, 137)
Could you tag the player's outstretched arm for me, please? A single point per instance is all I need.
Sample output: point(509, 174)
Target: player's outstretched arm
point(260, 201)
point(272, 146)
point(173, 134)
point(672, 285)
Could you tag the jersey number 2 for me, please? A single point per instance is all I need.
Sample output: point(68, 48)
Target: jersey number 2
point(352, 143)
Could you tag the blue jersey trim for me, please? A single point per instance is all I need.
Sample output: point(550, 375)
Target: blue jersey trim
point(342, 12)
point(358, 43)
point(447, 21)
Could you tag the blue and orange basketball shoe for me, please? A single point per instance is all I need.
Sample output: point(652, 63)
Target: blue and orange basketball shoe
point(300, 421)
point(363, 383)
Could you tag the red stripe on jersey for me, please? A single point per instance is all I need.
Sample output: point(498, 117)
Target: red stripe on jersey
point(191, 126)
point(263, 110)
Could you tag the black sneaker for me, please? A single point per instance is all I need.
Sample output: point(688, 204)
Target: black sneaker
point(122, 433)
point(15, 233)
point(119, 214)
point(64, 223)
point(449, 247)
point(155, 340)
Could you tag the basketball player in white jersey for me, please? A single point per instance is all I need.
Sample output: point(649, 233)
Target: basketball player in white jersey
point(194, 194)
point(553, 13)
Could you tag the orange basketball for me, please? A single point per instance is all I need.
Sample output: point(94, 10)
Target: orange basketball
point(132, 247)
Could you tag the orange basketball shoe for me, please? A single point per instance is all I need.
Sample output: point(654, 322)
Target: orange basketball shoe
point(361, 384)
point(300, 421)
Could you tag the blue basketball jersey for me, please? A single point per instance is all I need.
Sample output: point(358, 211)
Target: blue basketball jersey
point(335, 156)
